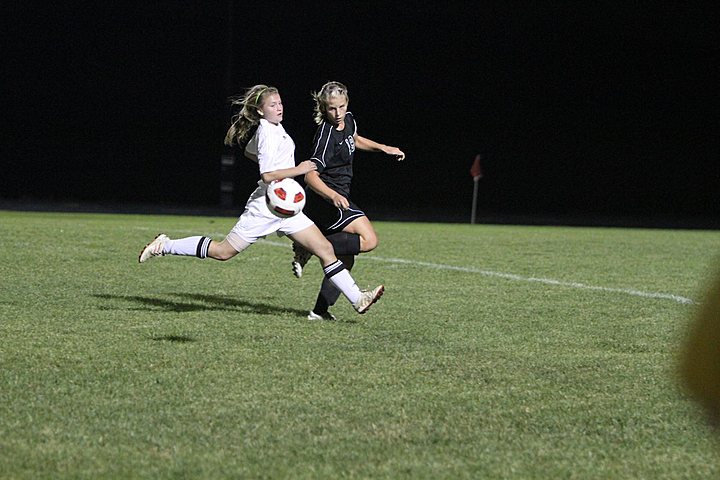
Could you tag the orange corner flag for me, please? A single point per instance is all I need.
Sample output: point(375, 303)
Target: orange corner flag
point(475, 170)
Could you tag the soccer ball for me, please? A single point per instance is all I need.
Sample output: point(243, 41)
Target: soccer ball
point(285, 198)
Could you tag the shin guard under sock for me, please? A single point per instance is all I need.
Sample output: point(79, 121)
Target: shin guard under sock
point(340, 277)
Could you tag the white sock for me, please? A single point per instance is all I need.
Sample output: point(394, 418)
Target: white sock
point(196, 246)
point(341, 278)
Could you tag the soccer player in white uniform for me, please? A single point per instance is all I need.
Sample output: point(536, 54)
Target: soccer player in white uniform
point(274, 151)
point(328, 197)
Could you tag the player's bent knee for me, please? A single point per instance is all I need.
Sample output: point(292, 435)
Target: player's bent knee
point(368, 244)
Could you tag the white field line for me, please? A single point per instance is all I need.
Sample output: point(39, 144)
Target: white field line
point(520, 278)
point(545, 281)
point(508, 276)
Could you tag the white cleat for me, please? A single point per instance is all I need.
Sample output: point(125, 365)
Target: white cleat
point(154, 248)
point(325, 316)
point(300, 259)
point(367, 298)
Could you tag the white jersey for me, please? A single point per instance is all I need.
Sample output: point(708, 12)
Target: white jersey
point(271, 147)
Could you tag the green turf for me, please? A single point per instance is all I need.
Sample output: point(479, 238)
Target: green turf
point(497, 352)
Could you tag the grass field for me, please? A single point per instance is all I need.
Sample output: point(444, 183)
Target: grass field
point(496, 352)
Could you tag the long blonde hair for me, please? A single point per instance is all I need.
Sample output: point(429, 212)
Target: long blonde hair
point(322, 98)
point(248, 117)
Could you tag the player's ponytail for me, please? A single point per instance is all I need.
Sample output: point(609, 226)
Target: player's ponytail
point(247, 118)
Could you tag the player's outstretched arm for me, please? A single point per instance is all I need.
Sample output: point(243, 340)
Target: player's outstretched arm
point(372, 146)
point(301, 169)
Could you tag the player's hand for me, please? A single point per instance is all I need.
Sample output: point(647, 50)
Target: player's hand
point(340, 202)
point(395, 152)
point(307, 166)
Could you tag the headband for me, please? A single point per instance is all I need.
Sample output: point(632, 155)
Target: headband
point(259, 94)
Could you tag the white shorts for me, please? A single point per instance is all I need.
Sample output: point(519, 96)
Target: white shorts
point(257, 222)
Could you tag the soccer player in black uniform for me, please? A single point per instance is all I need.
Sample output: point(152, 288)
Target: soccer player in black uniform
point(328, 194)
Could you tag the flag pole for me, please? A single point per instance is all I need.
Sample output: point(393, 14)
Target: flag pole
point(476, 173)
point(474, 201)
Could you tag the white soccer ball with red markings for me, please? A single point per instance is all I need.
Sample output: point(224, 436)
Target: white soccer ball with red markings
point(285, 198)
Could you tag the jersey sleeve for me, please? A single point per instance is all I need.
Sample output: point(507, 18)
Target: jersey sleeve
point(353, 124)
point(251, 148)
point(322, 150)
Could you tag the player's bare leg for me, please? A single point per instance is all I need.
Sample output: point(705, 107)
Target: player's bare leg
point(368, 238)
point(312, 240)
point(221, 250)
point(357, 237)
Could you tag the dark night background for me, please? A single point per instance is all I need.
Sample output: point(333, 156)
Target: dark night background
point(584, 109)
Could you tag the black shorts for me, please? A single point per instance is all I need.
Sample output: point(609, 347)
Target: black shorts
point(328, 217)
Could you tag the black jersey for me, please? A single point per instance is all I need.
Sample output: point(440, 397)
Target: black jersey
point(333, 152)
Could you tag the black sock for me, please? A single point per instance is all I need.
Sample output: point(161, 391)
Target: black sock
point(329, 293)
point(345, 243)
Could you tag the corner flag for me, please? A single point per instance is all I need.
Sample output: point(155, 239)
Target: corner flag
point(476, 170)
